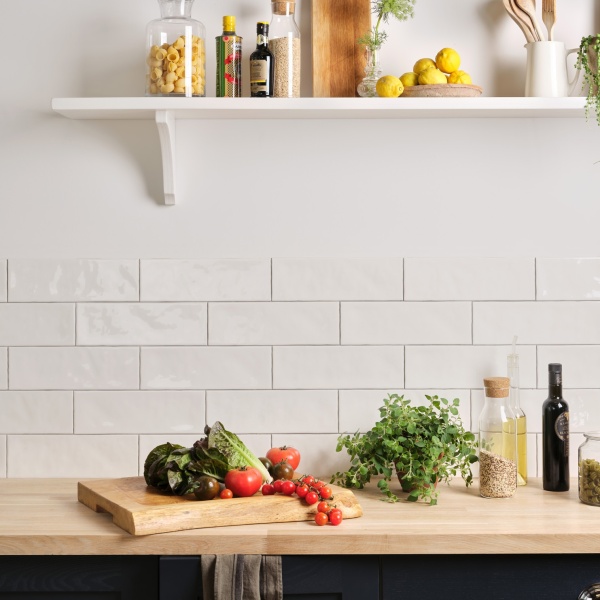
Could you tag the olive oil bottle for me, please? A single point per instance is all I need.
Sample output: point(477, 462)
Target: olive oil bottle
point(521, 419)
point(229, 61)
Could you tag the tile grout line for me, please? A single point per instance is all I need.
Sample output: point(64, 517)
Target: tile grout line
point(73, 412)
point(535, 294)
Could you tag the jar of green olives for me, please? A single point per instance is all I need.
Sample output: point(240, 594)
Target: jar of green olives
point(589, 469)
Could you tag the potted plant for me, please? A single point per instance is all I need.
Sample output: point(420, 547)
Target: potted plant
point(587, 60)
point(373, 40)
point(421, 445)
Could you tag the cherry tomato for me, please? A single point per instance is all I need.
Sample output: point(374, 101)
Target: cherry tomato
point(321, 518)
point(302, 490)
point(226, 494)
point(325, 492)
point(244, 482)
point(267, 489)
point(283, 470)
point(317, 484)
point(276, 455)
point(323, 507)
point(335, 516)
point(277, 485)
point(288, 487)
point(311, 498)
point(307, 479)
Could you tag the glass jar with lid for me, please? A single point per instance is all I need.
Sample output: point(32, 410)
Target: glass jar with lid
point(175, 52)
point(284, 44)
point(589, 469)
point(497, 441)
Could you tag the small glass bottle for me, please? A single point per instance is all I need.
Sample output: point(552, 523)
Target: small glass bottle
point(497, 441)
point(521, 419)
point(367, 87)
point(589, 469)
point(285, 47)
point(261, 64)
point(229, 61)
point(175, 53)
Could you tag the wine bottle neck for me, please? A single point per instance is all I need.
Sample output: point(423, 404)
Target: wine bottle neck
point(555, 390)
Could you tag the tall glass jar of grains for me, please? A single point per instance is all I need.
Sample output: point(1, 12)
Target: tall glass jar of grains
point(589, 469)
point(175, 56)
point(497, 441)
point(284, 44)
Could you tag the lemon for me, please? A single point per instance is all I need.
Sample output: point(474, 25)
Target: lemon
point(460, 77)
point(432, 76)
point(447, 60)
point(389, 86)
point(422, 64)
point(409, 79)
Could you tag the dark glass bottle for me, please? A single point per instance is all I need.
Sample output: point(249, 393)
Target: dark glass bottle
point(261, 64)
point(555, 434)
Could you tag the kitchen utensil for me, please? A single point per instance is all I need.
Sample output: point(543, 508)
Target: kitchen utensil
point(527, 22)
point(511, 12)
point(547, 70)
point(549, 16)
point(528, 7)
point(141, 510)
point(449, 90)
point(338, 61)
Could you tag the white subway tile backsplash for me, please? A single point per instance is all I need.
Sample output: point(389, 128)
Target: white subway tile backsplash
point(210, 367)
point(37, 324)
point(210, 279)
point(36, 412)
point(463, 367)
point(274, 323)
point(568, 278)
point(536, 322)
point(72, 280)
point(74, 368)
point(581, 365)
point(315, 367)
point(275, 411)
point(141, 324)
point(359, 409)
point(168, 412)
point(469, 279)
point(406, 322)
point(94, 456)
point(3, 369)
point(3, 280)
point(337, 279)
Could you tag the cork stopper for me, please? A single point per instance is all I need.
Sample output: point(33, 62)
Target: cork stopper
point(283, 8)
point(497, 387)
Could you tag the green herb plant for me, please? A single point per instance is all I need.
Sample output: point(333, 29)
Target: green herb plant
point(590, 73)
point(384, 9)
point(421, 445)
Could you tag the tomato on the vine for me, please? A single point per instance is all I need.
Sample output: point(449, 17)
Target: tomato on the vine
point(311, 498)
point(307, 479)
point(325, 492)
point(243, 482)
point(323, 507)
point(317, 484)
point(267, 489)
point(288, 487)
point(302, 490)
point(321, 518)
point(276, 455)
point(226, 494)
point(335, 516)
point(277, 485)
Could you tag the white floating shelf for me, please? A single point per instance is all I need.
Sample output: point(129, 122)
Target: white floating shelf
point(165, 111)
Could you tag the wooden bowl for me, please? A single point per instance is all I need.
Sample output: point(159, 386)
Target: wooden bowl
point(444, 90)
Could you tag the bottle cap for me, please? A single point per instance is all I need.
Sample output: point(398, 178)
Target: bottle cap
point(554, 368)
point(229, 23)
point(497, 387)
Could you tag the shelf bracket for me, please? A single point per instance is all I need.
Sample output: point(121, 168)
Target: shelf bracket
point(165, 122)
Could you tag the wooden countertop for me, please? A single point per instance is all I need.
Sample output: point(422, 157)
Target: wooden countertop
point(43, 516)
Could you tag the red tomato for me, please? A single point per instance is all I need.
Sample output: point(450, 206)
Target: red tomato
point(277, 485)
point(321, 518)
point(276, 455)
point(288, 487)
point(267, 489)
point(307, 479)
point(317, 484)
point(243, 482)
point(323, 507)
point(335, 516)
point(311, 498)
point(325, 492)
point(226, 494)
point(302, 490)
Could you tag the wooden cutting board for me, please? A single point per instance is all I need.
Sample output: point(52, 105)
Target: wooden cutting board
point(338, 61)
point(141, 510)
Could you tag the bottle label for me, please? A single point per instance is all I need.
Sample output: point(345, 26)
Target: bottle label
point(229, 66)
point(262, 39)
point(259, 76)
point(561, 428)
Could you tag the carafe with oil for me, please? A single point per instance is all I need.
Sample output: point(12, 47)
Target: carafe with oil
point(497, 441)
point(521, 419)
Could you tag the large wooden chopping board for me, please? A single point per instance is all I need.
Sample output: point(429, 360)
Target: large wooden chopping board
point(141, 510)
point(338, 61)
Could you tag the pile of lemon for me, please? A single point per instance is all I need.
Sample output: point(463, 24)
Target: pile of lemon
point(444, 69)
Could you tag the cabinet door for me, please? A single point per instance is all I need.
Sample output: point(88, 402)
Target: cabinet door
point(499, 577)
point(304, 578)
point(78, 577)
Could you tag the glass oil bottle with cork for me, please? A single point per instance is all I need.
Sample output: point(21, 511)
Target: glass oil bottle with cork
point(229, 61)
point(521, 419)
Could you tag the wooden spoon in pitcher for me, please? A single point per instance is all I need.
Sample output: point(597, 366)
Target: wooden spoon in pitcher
point(528, 7)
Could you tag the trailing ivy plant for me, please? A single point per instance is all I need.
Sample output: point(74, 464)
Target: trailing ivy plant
point(590, 73)
point(384, 9)
point(421, 445)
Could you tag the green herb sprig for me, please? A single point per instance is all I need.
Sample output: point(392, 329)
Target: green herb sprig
point(591, 77)
point(384, 9)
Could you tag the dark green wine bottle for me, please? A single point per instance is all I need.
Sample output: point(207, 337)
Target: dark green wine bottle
point(261, 64)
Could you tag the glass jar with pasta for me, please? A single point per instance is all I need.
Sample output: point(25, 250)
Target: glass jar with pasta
point(175, 52)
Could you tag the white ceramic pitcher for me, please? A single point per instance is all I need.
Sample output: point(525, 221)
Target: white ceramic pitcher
point(547, 70)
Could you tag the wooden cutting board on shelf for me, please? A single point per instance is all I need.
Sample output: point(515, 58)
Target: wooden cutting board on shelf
point(141, 510)
point(338, 61)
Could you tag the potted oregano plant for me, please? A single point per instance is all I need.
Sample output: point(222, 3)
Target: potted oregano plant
point(420, 445)
point(587, 61)
point(372, 40)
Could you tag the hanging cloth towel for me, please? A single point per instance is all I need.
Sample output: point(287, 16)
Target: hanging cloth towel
point(241, 577)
